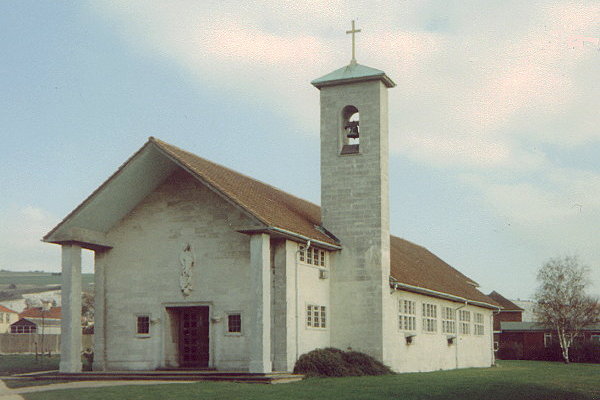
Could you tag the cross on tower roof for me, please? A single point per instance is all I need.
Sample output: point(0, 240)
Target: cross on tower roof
point(353, 31)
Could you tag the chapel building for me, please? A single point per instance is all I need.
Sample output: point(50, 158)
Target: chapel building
point(198, 266)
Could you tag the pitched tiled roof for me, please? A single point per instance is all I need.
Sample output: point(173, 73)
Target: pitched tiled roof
point(269, 205)
point(36, 312)
point(416, 266)
point(7, 310)
point(410, 264)
point(506, 304)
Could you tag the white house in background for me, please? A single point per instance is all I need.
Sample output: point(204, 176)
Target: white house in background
point(199, 266)
point(7, 317)
point(38, 320)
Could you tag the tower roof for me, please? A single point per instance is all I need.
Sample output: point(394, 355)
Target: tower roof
point(353, 72)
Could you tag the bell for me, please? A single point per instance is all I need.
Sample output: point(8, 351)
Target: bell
point(352, 129)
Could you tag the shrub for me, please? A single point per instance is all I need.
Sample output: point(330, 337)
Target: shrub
point(335, 362)
point(364, 364)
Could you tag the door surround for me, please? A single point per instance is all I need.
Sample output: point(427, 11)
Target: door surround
point(170, 325)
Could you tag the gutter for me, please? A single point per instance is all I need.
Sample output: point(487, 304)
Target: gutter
point(304, 239)
point(442, 295)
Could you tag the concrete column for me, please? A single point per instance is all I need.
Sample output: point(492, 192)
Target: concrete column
point(70, 337)
point(99, 312)
point(259, 319)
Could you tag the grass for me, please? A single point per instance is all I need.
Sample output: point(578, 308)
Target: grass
point(529, 380)
point(37, 278)
point(21, 363)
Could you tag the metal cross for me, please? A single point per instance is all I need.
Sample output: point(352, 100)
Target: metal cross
point(353, 31)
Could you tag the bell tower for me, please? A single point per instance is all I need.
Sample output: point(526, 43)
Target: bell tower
point(355, 204)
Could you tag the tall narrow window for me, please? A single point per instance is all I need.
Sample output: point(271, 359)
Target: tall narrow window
point(234, 323)
point(143, 325)
point(429, 317)
point(407, 315)
point(448, 320)
point(351, 130)
point(478, 324)
point(465, 322)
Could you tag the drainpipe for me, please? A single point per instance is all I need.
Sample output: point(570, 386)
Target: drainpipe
point(307, 246)
point(457, 330)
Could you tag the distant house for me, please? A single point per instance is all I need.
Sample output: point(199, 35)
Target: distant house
point(527, 340)
point(520, 338)
point(38, 320)
point(509, 312)
point(7, 317)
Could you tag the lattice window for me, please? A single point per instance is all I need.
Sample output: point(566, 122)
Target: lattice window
point(478, 324)
point(429, 317)
point(407, 315)
point(448, 320)
point(465, 322)
point(316, 316)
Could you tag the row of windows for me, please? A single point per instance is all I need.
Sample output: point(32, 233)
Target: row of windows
point(312, 255)
point(23, 329)
point(407, 318)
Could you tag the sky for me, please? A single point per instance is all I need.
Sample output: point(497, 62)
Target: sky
point(494, 123)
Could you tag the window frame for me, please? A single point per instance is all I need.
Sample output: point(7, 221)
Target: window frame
point(320, 316)
point(407, 315)
point(234, 333)
point(448, 320)
point(478, 324)
point(313, 256)
point(137, 325)
point(464, 318)
point(430, 318)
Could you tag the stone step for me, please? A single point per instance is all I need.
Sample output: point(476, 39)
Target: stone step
point(179, 375)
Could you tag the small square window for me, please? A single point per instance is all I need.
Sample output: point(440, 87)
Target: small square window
point(143, 324)
point(234, 323)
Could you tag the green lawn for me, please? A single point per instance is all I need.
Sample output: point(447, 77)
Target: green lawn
point(510, 380)
point(21, 363)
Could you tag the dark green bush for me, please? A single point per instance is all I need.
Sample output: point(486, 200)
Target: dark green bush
point(364, 364)
point(335, 362)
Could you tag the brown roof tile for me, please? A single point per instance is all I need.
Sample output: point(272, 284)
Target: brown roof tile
point(410, 264)
point(416, 266)
point(270, 205)
point(36, 312)
point(506, 304)
point(7, 310)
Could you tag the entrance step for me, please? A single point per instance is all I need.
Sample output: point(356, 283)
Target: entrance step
point(169, 375)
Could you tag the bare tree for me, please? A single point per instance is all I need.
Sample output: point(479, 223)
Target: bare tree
point(562, 302)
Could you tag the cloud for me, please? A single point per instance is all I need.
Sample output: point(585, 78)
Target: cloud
point(21, 232)
point(491, 93)
point(21, 248)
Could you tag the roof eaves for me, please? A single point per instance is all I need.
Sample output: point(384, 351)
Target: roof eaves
point(446, 296)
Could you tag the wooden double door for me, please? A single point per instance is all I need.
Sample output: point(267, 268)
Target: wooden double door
point(193, 324)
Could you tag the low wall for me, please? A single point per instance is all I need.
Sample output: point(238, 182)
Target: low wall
point(11, 343)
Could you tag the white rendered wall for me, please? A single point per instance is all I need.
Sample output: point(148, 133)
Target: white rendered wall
point(430, 351)
point(142, 275)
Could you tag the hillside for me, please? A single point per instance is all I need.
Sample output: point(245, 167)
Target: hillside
point(13, 284)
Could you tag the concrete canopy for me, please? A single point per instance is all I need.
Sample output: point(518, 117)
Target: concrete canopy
point(117, 196)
